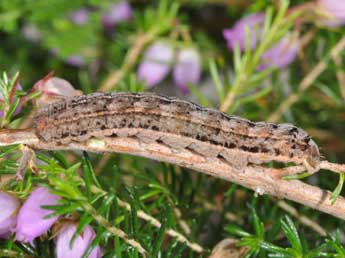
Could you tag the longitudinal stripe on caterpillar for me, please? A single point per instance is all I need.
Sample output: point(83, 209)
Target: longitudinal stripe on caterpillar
point(177, 124)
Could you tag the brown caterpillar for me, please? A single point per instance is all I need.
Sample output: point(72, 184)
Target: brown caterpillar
point(178, 124)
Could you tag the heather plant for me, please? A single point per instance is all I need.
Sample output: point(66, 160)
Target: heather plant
point(273, 61)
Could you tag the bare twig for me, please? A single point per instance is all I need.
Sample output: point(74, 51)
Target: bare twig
point(130, 60)
point(338, 168)
point(306, 82)
point(340, 74)
point(303, 219)
point(183, 224)
point(114, 230)
point(141, 214)
point(260, 179)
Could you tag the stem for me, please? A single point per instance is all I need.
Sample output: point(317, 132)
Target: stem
point(130, 60)
point(307, 82)
point(250, 64)
point(258, 178)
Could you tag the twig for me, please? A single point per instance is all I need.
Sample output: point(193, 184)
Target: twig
point(141, 214)
point(183, 224)
point(306, 82)
point(303, 219)
point(114, 230)
point(258, 178)
point(212, 207)
point(338, 168)
point(102, 163)
point(340, 74)
point(130, 60)
point(153, 221)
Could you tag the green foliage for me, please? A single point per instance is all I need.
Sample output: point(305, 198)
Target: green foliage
point(127, 198)
point(290, 247)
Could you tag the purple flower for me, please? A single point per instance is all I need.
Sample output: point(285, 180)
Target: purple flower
point(117, 13)
point(8, 215)
point(80, 17)
point(237, 34)
point(281, 54)
point(31, 221)
point(53, 89)
point(187, 68)
point(331, 12)
point(156, 63)
point(75, 60)
point(66, 249)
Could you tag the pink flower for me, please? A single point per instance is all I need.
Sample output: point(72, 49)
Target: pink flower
point(8, 214)
point(237, 34)
point(281, 54)
point(156, 63)
point(31, 221)
point(117, 13)
point(75, 60)
point(66, 249)
point(80, 17)
point(187, 68)
point(53, 89)
point(331, 12)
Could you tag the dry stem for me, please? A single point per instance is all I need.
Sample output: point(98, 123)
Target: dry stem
point(260, 179)
point(114, 230)
point(303, 219)
point(131, 58)
point(141, 214)
point(306, 82)
point(340, 74)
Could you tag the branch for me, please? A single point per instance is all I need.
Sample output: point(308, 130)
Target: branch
point(262, 180)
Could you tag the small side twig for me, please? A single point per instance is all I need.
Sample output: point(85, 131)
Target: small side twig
point(303, 219)
point(130, 60)
point(340, 74)
point(171, 232)
point(114, 230)
point(306, 82)
point(338, 168)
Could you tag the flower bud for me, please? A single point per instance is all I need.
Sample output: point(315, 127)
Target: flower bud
point(330, 13)
point(187, 68)
point(119, 12)
point(67, 249)
point(281, 54)
point(31, 221)
point(8, 215)
point(156, 63)
point(237, 34)
point(54, 89)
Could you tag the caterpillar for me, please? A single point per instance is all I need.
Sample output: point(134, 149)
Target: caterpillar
point(176, 123)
